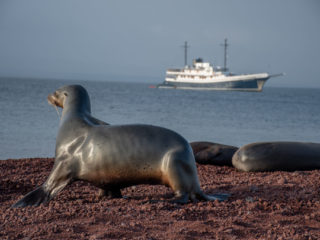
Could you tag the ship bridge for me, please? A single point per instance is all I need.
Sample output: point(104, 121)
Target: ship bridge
point(198, 64)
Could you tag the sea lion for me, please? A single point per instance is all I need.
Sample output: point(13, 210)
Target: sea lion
point(213, 153)
point(113, 157)
point(277, 156)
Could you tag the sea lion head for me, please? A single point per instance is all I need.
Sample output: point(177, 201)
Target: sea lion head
point(74, 96)
point(57, 98)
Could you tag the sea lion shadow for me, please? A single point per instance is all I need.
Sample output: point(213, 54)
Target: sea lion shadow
point(150, 197)
point(11, 187)
point(147, 192)
point(170, 197)
point(273, 193)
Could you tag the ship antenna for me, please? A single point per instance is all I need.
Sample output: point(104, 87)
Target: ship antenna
point(225, 45)
point(186, 46)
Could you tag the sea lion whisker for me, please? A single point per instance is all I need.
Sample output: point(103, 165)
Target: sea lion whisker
point(57, 111)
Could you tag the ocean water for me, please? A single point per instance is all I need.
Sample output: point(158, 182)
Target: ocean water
point(29, 125)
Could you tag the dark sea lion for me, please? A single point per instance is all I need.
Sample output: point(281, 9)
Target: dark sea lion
point(213, 153)
point(277, 156)
point(113, 157)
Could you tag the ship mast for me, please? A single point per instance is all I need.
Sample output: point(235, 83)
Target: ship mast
point(185, 46)
point(225, 45)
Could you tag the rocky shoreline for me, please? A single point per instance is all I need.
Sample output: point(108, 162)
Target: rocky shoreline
point(265, 205)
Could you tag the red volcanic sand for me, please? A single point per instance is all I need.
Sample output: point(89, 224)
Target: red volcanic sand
point(277, 205)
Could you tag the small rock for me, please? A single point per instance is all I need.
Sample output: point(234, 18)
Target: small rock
point(254, 188)
point(228, 230)
point(249, 199)
point(132, 224)
point(282, 181)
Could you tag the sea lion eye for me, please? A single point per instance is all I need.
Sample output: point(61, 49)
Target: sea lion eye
point(66, 94)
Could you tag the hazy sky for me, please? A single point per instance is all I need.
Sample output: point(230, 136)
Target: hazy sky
point(138, 40)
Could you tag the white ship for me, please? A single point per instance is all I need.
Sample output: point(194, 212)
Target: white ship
point(204, 76)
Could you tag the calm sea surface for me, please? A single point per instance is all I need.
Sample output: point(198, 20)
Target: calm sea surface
point(29, 125)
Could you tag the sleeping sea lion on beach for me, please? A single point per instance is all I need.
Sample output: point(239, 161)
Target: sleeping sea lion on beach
point(277, 156)
point(213, 153)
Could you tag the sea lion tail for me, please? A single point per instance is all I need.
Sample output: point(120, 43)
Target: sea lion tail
point(34, 198)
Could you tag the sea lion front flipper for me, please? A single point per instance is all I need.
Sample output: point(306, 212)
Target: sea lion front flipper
point(34, 198)
point(57, 180)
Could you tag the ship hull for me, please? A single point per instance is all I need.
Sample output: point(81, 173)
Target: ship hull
point(254, 85)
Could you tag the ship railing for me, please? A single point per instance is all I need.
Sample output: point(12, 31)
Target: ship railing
point(174, 70)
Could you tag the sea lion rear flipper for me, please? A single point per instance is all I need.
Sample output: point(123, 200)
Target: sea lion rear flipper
point(218, 196)
point(34, 198)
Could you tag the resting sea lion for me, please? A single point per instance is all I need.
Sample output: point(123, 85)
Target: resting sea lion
point(113, 157)
point(277, 156)
point(213, 153)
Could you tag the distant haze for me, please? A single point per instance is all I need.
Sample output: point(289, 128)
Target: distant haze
point(138, 40)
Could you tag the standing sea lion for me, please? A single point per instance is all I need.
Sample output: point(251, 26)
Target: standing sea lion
point(213, 153)
point(114, 157)
point(277, 156)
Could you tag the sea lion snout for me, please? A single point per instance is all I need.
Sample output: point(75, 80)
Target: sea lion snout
point(55, 100)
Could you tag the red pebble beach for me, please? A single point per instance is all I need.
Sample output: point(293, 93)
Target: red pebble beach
point(268, 205)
